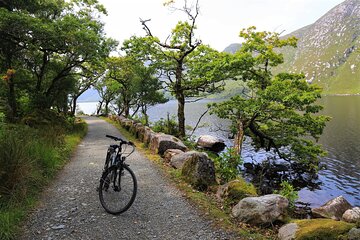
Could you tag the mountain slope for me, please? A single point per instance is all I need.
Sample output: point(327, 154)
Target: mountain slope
point(328, 51)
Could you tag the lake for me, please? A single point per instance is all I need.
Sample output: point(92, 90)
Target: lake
point(341, 139)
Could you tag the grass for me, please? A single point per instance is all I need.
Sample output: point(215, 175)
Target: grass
point(30, 158)
point(204, 201)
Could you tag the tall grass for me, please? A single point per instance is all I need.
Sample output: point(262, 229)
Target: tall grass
point(29, 158)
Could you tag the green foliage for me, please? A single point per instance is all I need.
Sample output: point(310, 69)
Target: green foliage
point(190, 68)
point(168, 125)
point(132, 85)
point(228, 165)
point(29, 158)
point(278, 113)
point(288, 191)
point(46, 46)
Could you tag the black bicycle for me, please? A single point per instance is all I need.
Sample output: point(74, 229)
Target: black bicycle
point(118, 185)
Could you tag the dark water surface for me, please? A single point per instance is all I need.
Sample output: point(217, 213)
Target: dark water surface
point(341, 139)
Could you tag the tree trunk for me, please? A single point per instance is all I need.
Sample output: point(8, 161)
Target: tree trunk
point(73, 107)
point(181, 99)
point(144, 112)
point(99, 108)
point(12, 99)
point(181, 115)
point(239, 137)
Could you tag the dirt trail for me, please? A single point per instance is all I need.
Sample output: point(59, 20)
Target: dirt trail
point(70, 208)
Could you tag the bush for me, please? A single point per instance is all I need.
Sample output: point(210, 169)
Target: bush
point(288, 191)
point(168, 126)
point(228, 165)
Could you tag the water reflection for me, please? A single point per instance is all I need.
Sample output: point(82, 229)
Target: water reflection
point(341, 138)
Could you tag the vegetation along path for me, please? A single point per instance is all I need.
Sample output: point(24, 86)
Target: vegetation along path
point(70, 208)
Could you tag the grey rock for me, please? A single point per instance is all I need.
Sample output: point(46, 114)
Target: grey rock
point(199, 170)
point(160, 142)
point(261, 210)
point(354, 234)
point(352, 215)
point(170, 153)
point(211, 143)
point(288, 231)
point(333, 209)
point(177, 161)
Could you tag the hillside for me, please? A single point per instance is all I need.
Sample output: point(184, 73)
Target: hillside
point(328, 51)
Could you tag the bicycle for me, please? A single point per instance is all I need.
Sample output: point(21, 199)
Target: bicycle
point(118, 185)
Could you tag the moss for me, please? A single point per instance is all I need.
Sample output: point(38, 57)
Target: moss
point(314, 229)
point(239, 189)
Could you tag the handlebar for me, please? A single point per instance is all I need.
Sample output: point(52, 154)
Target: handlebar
point(120, 140)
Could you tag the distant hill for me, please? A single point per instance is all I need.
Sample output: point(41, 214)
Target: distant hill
point(328, 51)
point(232, 48)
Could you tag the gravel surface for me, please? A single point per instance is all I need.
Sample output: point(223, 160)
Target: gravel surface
point(70, 207)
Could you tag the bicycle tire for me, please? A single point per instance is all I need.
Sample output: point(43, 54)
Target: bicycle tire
point(115, 199)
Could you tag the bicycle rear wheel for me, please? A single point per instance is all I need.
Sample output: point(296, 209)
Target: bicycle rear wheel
point(117, 191)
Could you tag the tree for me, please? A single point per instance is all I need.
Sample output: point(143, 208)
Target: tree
point(50, 41)
point(279, 112)
point(88, 76)
point(188, 67)
point(137, 87)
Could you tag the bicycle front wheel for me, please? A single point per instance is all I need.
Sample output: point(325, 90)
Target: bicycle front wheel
point(117, 191)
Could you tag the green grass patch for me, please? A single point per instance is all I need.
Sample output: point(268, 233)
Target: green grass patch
point(29, 158)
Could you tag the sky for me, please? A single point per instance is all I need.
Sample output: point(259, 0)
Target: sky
point(219, 22)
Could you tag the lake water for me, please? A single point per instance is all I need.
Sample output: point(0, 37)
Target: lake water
point(341, 139)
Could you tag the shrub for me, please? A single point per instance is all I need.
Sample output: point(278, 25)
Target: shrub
point(288, 191)
point(228, 165)
point(168, 126)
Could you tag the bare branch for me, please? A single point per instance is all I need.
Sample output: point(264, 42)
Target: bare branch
point(197, 124)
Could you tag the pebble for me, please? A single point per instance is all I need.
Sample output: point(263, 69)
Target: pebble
point(59, 227)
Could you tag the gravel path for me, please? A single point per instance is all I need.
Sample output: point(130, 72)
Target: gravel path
point(70, 208)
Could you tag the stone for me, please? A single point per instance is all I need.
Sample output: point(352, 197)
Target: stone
point(161, 142)
point(261, 210)
point(333, 209)
point(199, 171)
point(148, 132)
point(288, 231)
point(354, 234)
point(322, 228)
point(211, 143)
point(170, 153)
point(139, 131)
point(235, 190)
point(352, 215)
point(178, 160)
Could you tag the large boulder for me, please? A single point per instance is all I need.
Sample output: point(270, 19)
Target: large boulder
point(314, 229)
point(148, 134)
point(232, 192)
point(170, 153)
point(261, 210)
point(352, 215)
point(178, 160)
point(211, 143)
point(139, 131)
point(333, 209)
point(160, 142)
point(199, 171)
